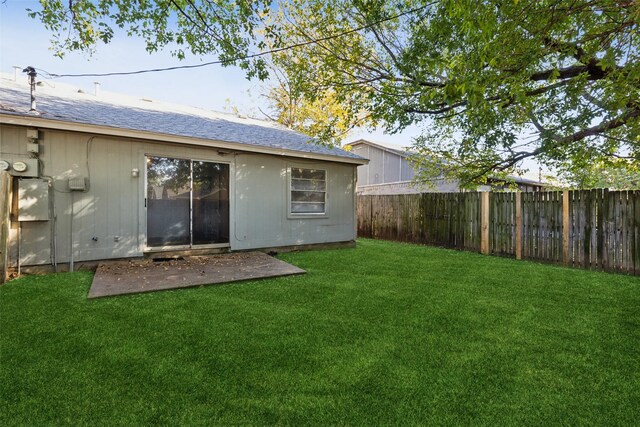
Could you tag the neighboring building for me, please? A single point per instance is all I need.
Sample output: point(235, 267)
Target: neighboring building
point(100, 177)
point(389, 172)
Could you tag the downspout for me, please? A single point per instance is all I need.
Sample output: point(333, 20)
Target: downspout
point(19, 238)
point(71, 251)
point(54, 237)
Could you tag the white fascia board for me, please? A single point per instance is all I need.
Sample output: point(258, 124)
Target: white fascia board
point(10, 119)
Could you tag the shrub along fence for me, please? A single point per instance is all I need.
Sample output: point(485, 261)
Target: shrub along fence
point(591, 229)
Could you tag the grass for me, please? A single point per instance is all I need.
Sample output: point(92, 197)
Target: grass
point(386, 333)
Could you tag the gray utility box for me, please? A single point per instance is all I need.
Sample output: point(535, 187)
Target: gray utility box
point(32, 167)
point(33, 200)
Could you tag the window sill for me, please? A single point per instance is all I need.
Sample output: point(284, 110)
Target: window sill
point(306, 216)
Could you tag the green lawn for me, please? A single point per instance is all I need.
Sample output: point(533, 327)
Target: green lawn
point(386, 333)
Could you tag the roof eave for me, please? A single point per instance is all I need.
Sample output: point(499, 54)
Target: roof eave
point(21, 120)
point(402, 153)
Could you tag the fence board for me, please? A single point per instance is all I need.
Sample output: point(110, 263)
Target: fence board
point(611, 231)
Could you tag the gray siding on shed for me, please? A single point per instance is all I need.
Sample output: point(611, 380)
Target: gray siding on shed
point(391, 167)
point(363, 171)
point(113, 209)
point(384, 166)
point(390, 173)
point(375, 172)
point(408, 173)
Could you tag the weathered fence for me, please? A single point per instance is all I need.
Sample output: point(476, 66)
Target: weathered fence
point(591, 229)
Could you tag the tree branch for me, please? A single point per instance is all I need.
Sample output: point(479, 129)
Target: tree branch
point(508, 100)
point(509, 162)
point(601, 128)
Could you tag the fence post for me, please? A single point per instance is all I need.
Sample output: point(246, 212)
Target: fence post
point(518, 225)
point(5, 205)
point(484, 222)
point(565, 227)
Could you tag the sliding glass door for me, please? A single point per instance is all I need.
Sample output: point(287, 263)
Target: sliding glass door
point(187, 202)
point(210, 202)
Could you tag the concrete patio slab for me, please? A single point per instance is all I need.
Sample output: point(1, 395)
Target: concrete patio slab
point(136, 276)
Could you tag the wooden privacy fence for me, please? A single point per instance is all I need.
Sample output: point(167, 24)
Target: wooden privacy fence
point(591, 229)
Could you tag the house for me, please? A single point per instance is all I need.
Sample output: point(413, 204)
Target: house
point(390, 172)
point(100, 176)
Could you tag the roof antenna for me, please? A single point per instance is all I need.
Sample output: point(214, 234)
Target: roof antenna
point(31, 72)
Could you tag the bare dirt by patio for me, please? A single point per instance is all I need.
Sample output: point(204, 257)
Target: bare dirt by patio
point(136, 276)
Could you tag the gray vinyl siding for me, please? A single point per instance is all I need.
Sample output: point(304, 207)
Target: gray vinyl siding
point(384, 166)
point(376, 166)
point(391, 167)
point(363, 171)
point(113, 209)
point(408, 172)
point(391, 173)
point(262, 204)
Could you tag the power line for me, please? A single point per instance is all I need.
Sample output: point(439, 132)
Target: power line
point(245, 57)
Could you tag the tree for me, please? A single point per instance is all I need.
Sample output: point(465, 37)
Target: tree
point(221, 27)
point(624, 175)
point(324, 116)
point(492, 82)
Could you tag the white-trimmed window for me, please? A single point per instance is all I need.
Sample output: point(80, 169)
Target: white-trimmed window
point(308, 191)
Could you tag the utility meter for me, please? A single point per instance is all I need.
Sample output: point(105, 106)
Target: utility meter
point(19, 166)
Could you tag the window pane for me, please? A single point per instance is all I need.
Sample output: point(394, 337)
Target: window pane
point(308, 191)
point(305, 184)
point(307, 196)
point(297, 207)
point(168, 193)
point(210, 203)
point(308, 173)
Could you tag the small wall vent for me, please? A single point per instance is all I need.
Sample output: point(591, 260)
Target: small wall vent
point(78, 184)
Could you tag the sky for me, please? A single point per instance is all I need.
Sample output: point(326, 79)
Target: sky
point(25, 42)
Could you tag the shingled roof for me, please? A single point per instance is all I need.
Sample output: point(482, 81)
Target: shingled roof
point(64, 104)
